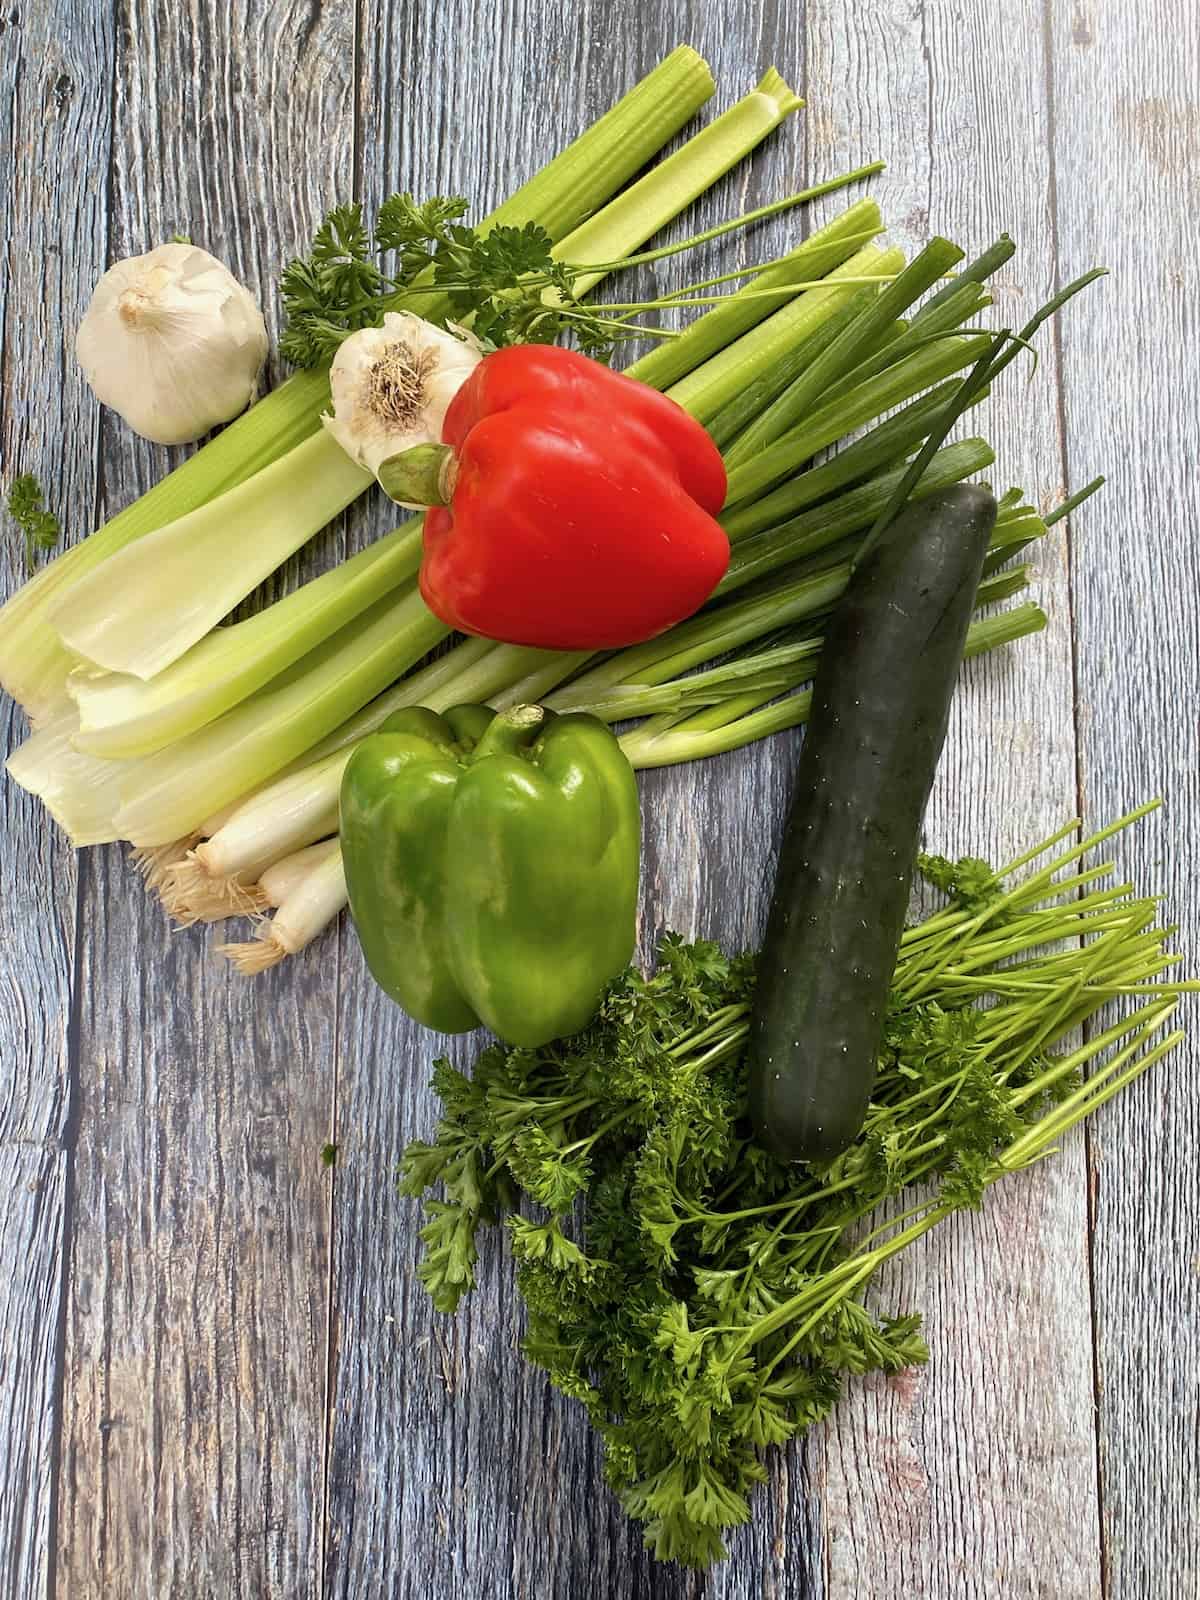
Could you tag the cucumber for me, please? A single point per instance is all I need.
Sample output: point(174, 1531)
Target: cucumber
point(881, 704)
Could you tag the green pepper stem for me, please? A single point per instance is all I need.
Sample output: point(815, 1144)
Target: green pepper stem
point(422, 476)
point(510, 732)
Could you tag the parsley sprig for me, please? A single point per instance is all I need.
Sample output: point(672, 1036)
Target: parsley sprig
point(505, 282)
point(701, 1299)
point(41, 528)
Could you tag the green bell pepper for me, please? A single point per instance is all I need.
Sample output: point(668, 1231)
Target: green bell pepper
point(492, 864)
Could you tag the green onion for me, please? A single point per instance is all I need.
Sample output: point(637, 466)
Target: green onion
point(715, 730)
point(278, 882)
point(886, 443)
point(748, 405)
point(874, 320)
point(812, 531)
point(311, 902)
point(851, 410)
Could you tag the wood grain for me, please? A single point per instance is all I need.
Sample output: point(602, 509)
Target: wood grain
point(55, 90)
point(194, 1412)
point(975, 1476)
point(258, 1402)
point(1127, 142)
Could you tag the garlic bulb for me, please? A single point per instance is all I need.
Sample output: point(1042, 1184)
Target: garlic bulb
point(392, 385)
point(173, 342)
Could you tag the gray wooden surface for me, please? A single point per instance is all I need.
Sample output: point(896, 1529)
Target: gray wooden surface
point(218, 1377)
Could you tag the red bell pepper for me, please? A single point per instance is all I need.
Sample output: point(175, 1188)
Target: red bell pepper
point(582, 509)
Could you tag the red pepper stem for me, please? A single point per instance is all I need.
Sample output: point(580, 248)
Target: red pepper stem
point(510, 732)
point(422, 476)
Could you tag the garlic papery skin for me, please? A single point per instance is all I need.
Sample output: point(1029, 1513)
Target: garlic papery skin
point(392, 385)
point(173, 343)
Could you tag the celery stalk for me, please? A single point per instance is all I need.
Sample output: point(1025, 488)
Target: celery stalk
point(80, 791)
point(818, 255)
point(167, 795)
point(33, 662)
point(631, 219)
point(710, 387)
point(140, 610)
point(121, 716)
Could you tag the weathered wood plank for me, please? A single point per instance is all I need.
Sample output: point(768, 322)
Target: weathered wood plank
point(55, 76)
point(193, 1429)
point(452, 1467)
point(1127, 143)
point(975, 1476)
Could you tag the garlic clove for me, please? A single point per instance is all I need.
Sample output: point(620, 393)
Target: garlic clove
point(172, 342)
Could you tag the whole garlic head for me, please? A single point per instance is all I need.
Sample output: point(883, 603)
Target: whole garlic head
point(392, 385)
point(173, 342)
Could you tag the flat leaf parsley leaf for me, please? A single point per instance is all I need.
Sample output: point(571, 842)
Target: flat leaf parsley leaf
point(41, 528)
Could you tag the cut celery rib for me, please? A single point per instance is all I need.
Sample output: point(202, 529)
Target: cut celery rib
point(603, 158)
point(139, 611)
point(79, 791)
point(121, 716)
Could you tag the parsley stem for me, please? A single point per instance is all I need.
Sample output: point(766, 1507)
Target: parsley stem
point(765, 269)
point(759, 214)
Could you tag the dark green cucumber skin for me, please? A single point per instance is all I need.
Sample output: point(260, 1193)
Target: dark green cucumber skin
point(881, 706)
